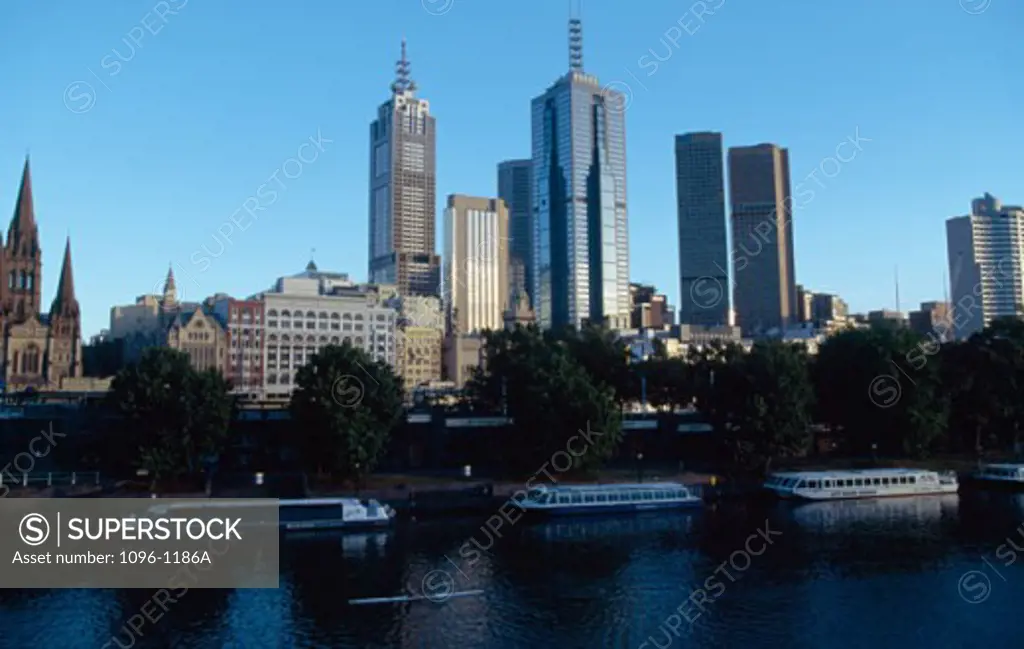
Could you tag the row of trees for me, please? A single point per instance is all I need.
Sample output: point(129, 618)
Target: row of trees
point(880, 391)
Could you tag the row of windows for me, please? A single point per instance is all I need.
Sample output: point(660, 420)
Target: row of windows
point(852, 482)
point(285, 313)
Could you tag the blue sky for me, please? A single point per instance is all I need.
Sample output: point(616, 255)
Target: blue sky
point(145, 164)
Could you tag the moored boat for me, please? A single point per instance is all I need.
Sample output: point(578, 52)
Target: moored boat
point(305, 513)
point(865, 483)
point(609, 498)
point(998, 476)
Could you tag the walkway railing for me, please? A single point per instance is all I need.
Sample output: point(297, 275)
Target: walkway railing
point(51, 479)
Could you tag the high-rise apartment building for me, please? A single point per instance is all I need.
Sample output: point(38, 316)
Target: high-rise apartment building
point(475, 263)
point(515, 187)
point(764, 276)
point(703, 242)
point(403, 190)
point(581, 254)
point(986, 251)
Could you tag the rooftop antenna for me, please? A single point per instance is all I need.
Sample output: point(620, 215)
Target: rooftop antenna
point(896, 276)
point(575, 38)
point(403, 82)
point(945, 287)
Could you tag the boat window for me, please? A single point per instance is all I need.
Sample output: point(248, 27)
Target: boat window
point(535, 494)
point(648, 495)
point(589, 498)
point(563, 499)
point(876, 481)
point(602, 498)
point(814, 484)
point(577, 499)
point(912, 479)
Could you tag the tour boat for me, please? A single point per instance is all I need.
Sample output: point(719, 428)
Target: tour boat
point(1006, 476)
point(607, 498)
point(305, 514)
point(866, 483)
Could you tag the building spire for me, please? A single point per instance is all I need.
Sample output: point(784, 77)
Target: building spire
point(65, 303)
point(896, 277)
point(170, 288)
point(24, 220)
point(575, 40)
point(403, 68)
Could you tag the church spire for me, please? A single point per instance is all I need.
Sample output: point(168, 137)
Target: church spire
point(24, 220)
point(65, 303)
point(170, 288)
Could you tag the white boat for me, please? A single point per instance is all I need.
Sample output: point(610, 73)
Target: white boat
point(608, 498)
point(1000, 475)
point(866, 483)
point(305, 513)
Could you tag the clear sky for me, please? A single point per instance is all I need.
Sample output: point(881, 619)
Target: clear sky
point(177, 129)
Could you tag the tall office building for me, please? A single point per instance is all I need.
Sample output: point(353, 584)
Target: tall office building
point(703, 243)
point(764, 275)
point(475, 264)
point(985, 258)
point(515, 187)
point(581, 253)
point(403, 190)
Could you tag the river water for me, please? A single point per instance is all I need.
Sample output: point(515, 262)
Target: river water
point(937, 572)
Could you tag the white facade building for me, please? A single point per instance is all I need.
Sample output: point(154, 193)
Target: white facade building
point(476, 254)
point(306, 312)
point(986, 252)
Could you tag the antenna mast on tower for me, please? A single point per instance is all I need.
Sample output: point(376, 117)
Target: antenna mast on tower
point(575, 38)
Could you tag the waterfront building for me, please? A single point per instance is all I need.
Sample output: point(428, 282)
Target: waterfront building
point(828, 308)
point(804, 304)
point(515, 187)
point(703, 242)
point(986, 254)
point(200, 335)
point(403, 190)
point(137, 327)
point(245, 329)
point(887, 317)
point(581, 255)
point(648, 308)
point(39, 349)
point(476, 254)
point(419, 338)
point(308, 311)
point(933, 320)
point(764, 277)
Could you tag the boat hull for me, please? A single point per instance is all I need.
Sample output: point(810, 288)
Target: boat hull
point(857, 494)
point(333, 524)
point(620, 508)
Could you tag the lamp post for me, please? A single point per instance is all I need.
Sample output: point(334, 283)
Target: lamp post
point(639, 467)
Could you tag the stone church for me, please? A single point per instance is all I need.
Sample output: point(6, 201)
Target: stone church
point(39, 349)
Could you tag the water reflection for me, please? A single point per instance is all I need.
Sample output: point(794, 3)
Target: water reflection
point(874, 513)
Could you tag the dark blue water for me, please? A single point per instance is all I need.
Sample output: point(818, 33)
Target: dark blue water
point(932, 572)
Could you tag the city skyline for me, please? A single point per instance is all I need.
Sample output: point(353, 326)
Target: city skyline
point(167, 114)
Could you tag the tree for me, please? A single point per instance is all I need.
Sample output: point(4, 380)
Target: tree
point(601, 353)
point(550, 398)
point(346, 405)
point(176, 415)
point(881, 389)
point(762, 402)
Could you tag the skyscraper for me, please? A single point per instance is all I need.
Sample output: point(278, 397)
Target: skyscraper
point(581, 254)
point(515, 187)
point(763, 271)
point(402, 190)
point(475, 263)
point(986, 256)
point(703, 244)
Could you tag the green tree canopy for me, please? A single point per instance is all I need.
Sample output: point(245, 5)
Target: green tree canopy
point(345, 406)
point(881, 388)
point(550, 398)
point(176, 415)
point(602, 354)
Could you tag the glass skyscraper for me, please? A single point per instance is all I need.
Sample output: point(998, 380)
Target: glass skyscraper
point(581, 245)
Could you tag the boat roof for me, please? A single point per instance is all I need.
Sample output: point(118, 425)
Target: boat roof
point(851, 473)
point(1002, 466)
point(612, 485)
point(231, 503)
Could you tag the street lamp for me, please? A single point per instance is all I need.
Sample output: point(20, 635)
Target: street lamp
point(639, 467)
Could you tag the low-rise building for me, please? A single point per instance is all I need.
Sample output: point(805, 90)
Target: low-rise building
point(201, 336)
point(244, 324)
